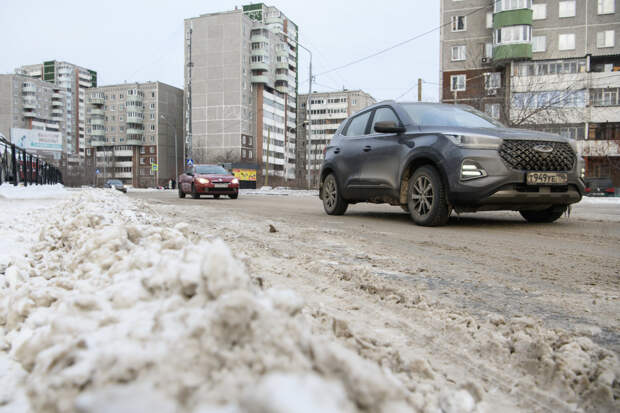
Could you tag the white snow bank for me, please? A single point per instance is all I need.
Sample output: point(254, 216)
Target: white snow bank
point(599, 200)
point(111, 311)
point(279, 191)
point(56, 191)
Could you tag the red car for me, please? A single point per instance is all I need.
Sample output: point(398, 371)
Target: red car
point(208, 180)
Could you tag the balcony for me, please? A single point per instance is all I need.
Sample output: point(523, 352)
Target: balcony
point(57, 111)
point(259, 52)
point(57, 103)
point(29, 89)
point(98, 132)
point(259, 66)
point(134, 98)
point(134, 141)
point(97, 100)
point(52, 126)
point(97, 121)
point(292, 63)
point(282, 65)
point(30, 104)
point(135, 119)
point(134, 131)
point(97, 112)
point(28, 114)
point(57, 95)
point(260, 79)
point(85, 83)
point(57, 118)
point(259, 38)
point(97, 142)
point(282, 88)
point(283, 77)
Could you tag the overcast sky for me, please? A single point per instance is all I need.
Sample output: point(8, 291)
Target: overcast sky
point(139, 40)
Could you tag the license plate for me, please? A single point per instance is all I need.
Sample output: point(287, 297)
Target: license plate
point(547, 178)
point(221, 185)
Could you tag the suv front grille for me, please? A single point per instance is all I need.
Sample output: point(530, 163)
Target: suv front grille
point(520, 155)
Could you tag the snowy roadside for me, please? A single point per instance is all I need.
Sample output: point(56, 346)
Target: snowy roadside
point(109, 310)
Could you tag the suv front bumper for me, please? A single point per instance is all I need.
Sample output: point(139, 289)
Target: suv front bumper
point(505, 188)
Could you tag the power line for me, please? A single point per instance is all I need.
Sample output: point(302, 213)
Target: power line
point(400, 43)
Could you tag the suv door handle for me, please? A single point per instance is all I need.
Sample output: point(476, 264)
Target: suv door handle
point(367, 148)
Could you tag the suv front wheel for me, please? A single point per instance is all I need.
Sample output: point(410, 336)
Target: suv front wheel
point(333, 203)
point(426, 198)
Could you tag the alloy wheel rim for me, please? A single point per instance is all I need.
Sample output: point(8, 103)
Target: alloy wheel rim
point(422, 195)
point(330, 193)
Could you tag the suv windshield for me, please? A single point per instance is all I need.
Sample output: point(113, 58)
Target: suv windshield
point(449, 115)
point(115, 182)
point(210, 169)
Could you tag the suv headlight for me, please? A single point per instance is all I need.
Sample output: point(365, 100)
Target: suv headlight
point(475, 141)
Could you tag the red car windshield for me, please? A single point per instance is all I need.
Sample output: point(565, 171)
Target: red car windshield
point(210, 170)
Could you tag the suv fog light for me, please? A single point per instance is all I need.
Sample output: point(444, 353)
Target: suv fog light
point(471, 170)
point(583, 173)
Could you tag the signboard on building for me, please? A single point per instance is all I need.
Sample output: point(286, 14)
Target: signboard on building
point(35, 139)
point(244, 174)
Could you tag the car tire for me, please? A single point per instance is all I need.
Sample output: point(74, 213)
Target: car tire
point(181, 193)
point(546, 215)
point(234, 196)
point(426, 198)
point(216, 196)
point(333, 203)
point(195, 194)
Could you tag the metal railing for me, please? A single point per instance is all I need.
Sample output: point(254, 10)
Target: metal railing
point(18, 166)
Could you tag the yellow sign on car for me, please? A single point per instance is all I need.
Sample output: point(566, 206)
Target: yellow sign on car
point(245, 174)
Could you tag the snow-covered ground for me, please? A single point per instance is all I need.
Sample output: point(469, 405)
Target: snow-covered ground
point(105, 306)
point(110, 310)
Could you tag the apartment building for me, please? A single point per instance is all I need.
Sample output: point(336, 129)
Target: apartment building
point(134, 132)
point(70, 84)
point(551, 65)
point(327, 111)
point(31, 108)
point(241, 85)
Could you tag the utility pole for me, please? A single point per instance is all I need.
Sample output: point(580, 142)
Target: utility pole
point(309, 117)
point(419, 90)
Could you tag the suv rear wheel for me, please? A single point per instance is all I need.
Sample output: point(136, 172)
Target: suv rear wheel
point(426, 198)
point(332, 200)
point(546, 215)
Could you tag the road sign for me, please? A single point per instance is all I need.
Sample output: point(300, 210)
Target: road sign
point(190, 162)
point(154, 167)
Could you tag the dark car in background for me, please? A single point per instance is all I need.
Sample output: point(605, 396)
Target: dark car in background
point(116, 184)
point(600, 187)
point(431, 159)
point(208, 180)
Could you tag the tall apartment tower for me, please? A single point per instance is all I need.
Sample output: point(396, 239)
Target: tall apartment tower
point(327, 111)
point(31, 104)
point(550, 65)
point(135, 133)
point(241, 80)
point(71, 82)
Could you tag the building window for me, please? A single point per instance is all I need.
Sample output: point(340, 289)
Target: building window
point(458, 53)
point(503, 5)
point(492, 80)
point(513, 34)
point(152, 116)
point(152, 127)
point(606, 97)
point(152, 106)
point(120, 96)
point(250, 156)
point(539, 43)
point(243, 153)
point(142, 150)
point(489, 20)
point(488, 50)
point(605, 39)
point(539, 11)
point(152, 94)
point(567, 8)
point(492, 109)
point(459, 23)
point(457, 83)
point(567, 41)
point(606, 6)
point(152, 149)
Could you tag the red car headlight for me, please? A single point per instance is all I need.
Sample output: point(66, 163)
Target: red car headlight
point(203, 181)
point(235, 181)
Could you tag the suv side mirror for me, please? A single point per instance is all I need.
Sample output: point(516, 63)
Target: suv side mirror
point(388, 127)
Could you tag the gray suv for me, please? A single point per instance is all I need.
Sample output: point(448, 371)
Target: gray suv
point(433, 158)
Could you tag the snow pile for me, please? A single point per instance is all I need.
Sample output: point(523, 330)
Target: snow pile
point(279, 191)
point(110, 311)
point(590, 200)
point(9, 191)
